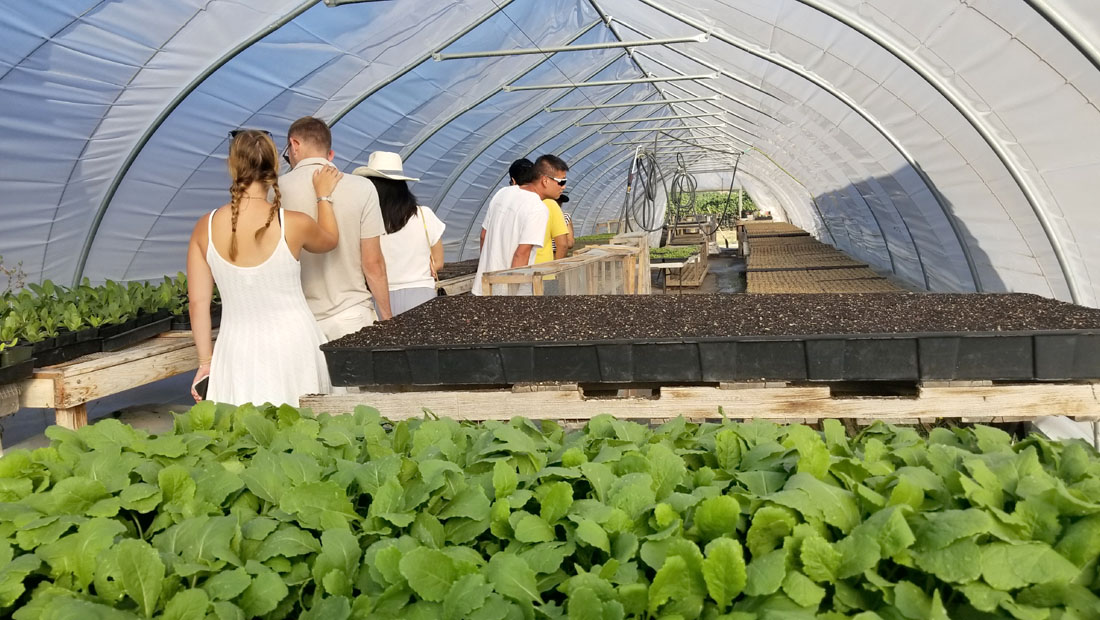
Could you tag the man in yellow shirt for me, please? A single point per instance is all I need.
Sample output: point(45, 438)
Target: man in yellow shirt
point(556, 231)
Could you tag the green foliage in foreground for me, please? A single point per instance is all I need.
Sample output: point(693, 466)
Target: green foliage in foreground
point(245, 512)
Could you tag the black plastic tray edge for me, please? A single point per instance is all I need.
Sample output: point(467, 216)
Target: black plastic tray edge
point(128, 338)
point(60, 355)
point(17, 371)
point(812, 363)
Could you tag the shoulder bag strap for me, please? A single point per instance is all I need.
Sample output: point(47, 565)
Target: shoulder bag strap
point(428, 238)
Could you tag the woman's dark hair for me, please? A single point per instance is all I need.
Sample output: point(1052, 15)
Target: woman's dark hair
point(397, 202)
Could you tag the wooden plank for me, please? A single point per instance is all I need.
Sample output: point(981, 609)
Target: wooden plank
point(66, 386)
point(458, 285)
point(788, 404)
point(72, 418)
point(140, 351)
point(129, 373)
point(38, 392)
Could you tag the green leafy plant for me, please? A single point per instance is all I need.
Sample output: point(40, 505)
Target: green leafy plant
point(71, 318)
point(50, 319)
point(11, 328)
point(673, 252)
point(595, 239)
point(264, 512)
point(716, 202)
point(178, 288)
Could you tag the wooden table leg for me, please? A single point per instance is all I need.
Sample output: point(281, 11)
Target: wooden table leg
point(73, 417)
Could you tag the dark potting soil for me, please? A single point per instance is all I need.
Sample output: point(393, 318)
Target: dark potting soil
point(460, 268)
point(489, 320)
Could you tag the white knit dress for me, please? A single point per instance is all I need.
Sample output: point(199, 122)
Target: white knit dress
point(267, 349)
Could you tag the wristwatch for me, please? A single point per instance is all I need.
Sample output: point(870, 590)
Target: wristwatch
point(328, 198)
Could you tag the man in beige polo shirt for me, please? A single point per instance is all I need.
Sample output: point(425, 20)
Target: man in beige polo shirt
point(335, 283)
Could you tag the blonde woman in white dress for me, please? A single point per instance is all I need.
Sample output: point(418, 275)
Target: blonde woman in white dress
point(268, 343)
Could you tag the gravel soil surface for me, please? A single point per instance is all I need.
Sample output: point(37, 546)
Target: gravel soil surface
point(460, 268)
point(491, 320)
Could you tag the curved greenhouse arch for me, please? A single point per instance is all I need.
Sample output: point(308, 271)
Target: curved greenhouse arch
point(902, 126)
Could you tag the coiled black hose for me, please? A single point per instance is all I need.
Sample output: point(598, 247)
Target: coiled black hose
point(681, 195)
point(640, 204)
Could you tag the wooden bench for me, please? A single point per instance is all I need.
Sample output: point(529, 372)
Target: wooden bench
point(960, 401)
point(68, 388)
point(456, 285)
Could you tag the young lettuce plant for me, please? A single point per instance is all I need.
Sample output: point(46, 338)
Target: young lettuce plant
point(71, 318)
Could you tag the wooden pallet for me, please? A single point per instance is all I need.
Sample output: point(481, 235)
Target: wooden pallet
point(692, 273)
point(456, 285)
point(695, 268)
point(68, 388)
point(964, 402)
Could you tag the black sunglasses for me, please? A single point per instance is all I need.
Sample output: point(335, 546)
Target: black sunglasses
point(286, 154)
point(560, 182)
point(233, 132)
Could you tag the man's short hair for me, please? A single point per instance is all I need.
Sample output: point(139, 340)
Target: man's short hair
point(313, 131)
point(550, 165)
point(522, 171)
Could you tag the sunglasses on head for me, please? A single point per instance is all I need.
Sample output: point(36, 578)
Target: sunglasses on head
point(233, 132)
point(560, 182)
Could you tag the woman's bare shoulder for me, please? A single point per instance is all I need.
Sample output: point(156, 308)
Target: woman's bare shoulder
point(201, 225)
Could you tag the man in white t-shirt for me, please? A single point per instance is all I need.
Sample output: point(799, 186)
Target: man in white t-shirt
point(516, 220)
point(335, 283)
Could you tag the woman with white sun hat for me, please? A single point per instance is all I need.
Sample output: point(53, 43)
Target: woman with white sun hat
point(412, 243)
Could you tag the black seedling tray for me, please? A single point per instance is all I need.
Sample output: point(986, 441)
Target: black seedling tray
point(16, 372)
point(60, 355)
point(970, 356)
point(113, 329)
point(183, 321)
point(137, 334)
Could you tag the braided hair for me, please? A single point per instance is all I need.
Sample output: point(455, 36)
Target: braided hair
point(252, 157)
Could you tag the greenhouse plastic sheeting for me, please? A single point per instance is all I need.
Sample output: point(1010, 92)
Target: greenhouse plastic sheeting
point(950, 143)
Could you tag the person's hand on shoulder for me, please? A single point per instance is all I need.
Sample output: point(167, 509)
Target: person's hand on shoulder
point(325, 180)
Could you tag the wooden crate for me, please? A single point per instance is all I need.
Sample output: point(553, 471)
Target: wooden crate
point(595, 270)
point(608, 226)
point(695, 269)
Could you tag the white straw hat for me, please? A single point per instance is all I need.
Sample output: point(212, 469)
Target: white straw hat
point(383, 164)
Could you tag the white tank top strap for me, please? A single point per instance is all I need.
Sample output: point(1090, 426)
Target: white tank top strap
point(210, 234)
point(282, 232)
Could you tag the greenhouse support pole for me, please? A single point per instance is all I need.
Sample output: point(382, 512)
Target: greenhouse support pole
point(484, 146)
point(851, 104)
point(1062, 25)
point(870, 210)
point(437, 127)
point(416, 62)
point(575, 141)
point(184, 93)
point(988, 134)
